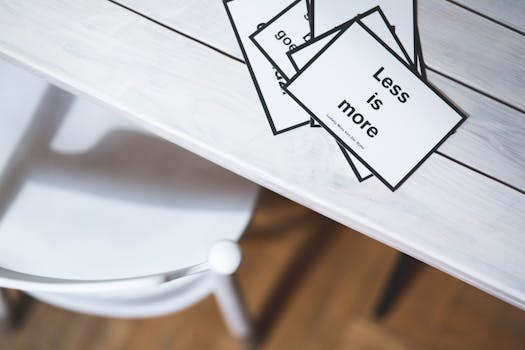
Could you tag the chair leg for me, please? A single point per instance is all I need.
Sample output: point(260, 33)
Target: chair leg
point(224, 260)
point(404, 267)
point(5, 312)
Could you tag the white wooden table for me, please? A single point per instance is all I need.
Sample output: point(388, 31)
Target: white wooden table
point(175, 68)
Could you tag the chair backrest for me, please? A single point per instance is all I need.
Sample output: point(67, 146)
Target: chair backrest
point(28, 223)
point(223, 260)
point(27, 282)
point(212, 206)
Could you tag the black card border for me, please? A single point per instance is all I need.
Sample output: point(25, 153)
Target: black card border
point(462, 115)
point(254, 79)
point(352, 165)
point(312, 18)
point(417, 42)
point(417, 46)
point(310, 14)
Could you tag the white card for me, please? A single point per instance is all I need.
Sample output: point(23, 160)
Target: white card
point(375, 20)
point(327, 14)
point(246, 16)
point(374, 104)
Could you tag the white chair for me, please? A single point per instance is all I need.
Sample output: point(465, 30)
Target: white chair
point(100, 217)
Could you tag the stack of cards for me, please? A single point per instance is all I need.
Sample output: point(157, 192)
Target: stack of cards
point(353, 68)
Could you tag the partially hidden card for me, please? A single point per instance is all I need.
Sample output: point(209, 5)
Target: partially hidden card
point(327, 14)
point(370, 99)
point(284, 32)
point(246, 16)
point(288, 29)
point(374, 19)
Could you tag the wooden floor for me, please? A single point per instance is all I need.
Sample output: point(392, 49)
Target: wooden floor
point(310, 284)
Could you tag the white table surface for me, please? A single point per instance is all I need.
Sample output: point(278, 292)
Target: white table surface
point(175, 68)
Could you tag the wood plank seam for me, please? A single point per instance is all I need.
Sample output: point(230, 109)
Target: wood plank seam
point(468, 86)
point(480, 172)
point(481, 92)
point(455, 39)
point(487, 17)
point(177, 31)
point(457, 161)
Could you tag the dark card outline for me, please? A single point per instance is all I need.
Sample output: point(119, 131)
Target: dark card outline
point(416, 32)
point(417, 42)
point(312, 18)
point(461, 114)
point(352, 165)
point(314, 124)
point(254, 79)
point(310, 14)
